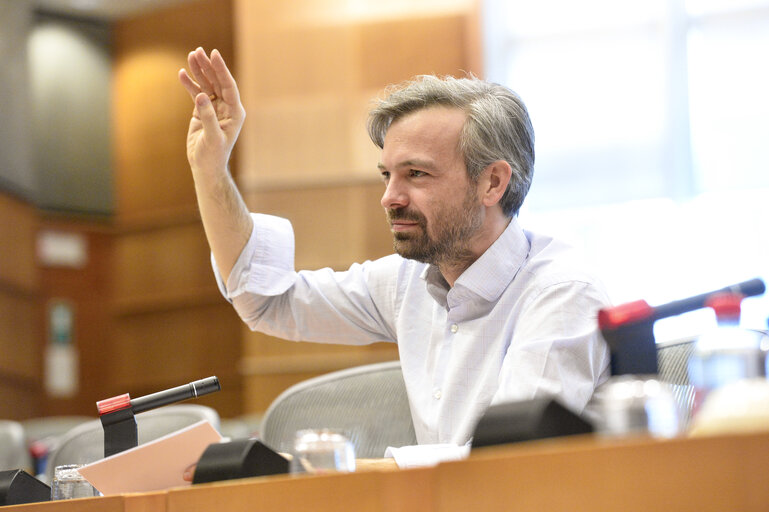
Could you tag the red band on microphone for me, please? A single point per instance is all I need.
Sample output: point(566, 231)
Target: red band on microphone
point(113, 404)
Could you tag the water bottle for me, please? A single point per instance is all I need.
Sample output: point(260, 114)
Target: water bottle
point(726, 353)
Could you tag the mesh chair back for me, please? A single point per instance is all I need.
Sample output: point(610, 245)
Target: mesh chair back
point(85, 443)
point(13, 446)
point(367, 403)
point(673, 361)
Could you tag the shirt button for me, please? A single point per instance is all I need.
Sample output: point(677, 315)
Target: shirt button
point(437, 395)
point(454, 328)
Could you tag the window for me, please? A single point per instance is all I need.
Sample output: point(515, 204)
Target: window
point(652, 139)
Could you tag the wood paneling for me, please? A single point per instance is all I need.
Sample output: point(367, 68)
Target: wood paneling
point(20, 333)
point(391, 51)
point(334, 226)
point(17, 244)
point(151, 110)
point(167, 261)
point(168, 347)
point(88, 290)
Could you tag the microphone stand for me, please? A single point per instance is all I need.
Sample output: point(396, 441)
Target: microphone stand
point(117, 414)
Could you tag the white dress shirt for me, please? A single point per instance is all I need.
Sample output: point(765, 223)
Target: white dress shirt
point(519, 323)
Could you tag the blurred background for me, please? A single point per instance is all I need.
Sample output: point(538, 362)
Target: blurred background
point(650, 119)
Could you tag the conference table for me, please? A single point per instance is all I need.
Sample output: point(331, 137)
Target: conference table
point(723, 473)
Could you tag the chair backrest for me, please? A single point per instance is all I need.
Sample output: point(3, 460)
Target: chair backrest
point(85, 443)
point(673, 368)
point(367, 403)
point(14, 453)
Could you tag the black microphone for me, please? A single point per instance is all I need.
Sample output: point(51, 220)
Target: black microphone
point(145, 403)
point(745, 289)
point(640, 311)
point(117, 413)
point(192, 390)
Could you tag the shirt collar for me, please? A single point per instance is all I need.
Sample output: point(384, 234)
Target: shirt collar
point(491, 273)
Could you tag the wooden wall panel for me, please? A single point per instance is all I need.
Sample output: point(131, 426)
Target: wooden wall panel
point(169, 347)
point(163, 264)
point(391, 51)
point(17, 243)
point(334, 226)
point(151, 110)
point(19, 400)
point(305, 136)
point(87, 290)
point(20, 333)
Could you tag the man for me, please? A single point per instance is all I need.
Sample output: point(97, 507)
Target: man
point(482, 311)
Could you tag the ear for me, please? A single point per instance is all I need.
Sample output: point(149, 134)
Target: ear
point(493, 182)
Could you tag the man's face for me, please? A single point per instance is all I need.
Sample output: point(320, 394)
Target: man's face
point(432, 206)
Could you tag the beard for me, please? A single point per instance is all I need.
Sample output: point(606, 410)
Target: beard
point(450, 241)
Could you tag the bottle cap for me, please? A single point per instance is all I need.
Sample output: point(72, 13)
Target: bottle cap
point(726, 305)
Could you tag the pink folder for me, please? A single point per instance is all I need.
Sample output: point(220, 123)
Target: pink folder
point(153, 466)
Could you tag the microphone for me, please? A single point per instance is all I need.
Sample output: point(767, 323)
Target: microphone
point(640, 311)
point(117, 413)
point(145, 403)
point(629, 328)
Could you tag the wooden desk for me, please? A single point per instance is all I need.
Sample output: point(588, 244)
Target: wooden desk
point(718, 473)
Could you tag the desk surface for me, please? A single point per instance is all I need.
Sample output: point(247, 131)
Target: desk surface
point(574, 474)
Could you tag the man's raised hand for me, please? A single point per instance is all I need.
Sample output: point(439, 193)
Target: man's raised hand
point(218, 114)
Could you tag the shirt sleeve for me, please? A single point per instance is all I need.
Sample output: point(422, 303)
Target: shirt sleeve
point(426, 454)
point(350, 307)
point(266, 263)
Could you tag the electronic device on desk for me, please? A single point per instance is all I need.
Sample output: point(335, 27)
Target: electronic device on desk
point(527, 420)
point(240, 458)
point(17, 487)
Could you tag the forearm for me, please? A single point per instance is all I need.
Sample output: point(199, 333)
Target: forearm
point(225, 217)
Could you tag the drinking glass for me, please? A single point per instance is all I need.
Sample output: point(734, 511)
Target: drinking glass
point(322, 451)
point(68, 484)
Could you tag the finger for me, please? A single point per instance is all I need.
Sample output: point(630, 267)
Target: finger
point(209, 75)
point(189, 472)
point(207, 113)
point(228, 87)
point(196, 60)
point(189, 84)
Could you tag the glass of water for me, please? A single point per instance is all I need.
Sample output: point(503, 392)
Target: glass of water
point(68, 484)
point(322, 451)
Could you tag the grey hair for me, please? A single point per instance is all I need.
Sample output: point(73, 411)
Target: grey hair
point(497, 126)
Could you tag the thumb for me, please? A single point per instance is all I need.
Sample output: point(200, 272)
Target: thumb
point(207, 113)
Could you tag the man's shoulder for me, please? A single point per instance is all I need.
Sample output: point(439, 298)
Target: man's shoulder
point(552, 261)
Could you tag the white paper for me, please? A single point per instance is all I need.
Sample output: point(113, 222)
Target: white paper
point(153, 466)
